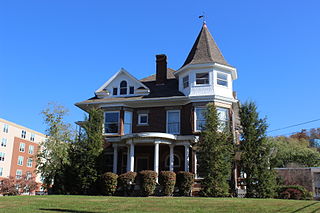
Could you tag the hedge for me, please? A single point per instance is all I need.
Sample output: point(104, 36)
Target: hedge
point(108, 183)
point(295, 192)
point(167, 180)
point(184, 183)
point(125, 183)
point(148, 180)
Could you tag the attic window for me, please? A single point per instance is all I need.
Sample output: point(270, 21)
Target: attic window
point(131, 91)
point(202, 78)
point(123, 88)
point(115, 91)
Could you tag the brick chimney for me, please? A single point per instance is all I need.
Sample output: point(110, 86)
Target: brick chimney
point(161, 76)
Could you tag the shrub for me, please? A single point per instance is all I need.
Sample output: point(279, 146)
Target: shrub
point(295, 192)
point(184, 183)
point(108, 183)
point(125, 182)
point(167, 180)
point(148, 180)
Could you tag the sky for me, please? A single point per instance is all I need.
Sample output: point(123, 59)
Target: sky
point(62, 51)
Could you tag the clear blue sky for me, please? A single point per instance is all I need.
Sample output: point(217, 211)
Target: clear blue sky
point(62, 51)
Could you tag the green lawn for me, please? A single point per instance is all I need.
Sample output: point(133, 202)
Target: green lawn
point(93, 204)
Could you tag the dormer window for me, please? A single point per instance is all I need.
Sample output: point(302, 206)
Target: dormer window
point(202, 78)
point(123, 88)
point(222, 79)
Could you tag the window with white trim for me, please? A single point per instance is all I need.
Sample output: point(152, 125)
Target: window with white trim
point(2, 155)
point(1, 171)
point(202, 78)
point(223, 117)
point(173, 121)
point(18, 173)
point(127, 122)
point(29, 162)
point(6, 128)
point(31, 149)
point(123, 88)
point(111, 122)
point(185, 81)
point(23, 134)
point(143, 119)
point(115, 91)
point(4, 142)
point(199, 117)
point(22, 147)
point(222, 79)
point(131, 90)
point(32, 137)
point(20, 160)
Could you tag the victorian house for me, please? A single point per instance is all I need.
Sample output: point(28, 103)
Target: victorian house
point(154, 123)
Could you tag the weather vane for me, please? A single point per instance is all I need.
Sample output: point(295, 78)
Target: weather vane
point(203, 17)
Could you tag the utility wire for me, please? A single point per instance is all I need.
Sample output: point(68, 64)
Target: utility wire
point(299, 124)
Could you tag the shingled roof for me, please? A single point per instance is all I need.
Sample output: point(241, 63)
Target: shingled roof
point(205, 50)
point(170, 75)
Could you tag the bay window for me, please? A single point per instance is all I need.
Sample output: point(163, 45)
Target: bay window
point(111, 123)
point(127, 122)
point(222, 79)
point(202, 78)
point(223, 117)
point(200, 118)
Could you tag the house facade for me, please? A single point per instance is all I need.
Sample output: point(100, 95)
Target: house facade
point(154, 123)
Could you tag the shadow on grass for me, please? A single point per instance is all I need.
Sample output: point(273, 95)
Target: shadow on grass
point(304, 207)
point(65, 210)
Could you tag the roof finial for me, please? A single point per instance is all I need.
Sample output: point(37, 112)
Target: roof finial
point(203, 17)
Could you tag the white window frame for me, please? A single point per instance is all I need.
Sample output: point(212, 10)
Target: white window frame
point(195, 82)
point(29, 150)
point(23, 134)
point(126, 123)
point(5, 128)
point(167, 122)
point(221, 79)
point(20, 160)
point(139, 118)
point(29, 162)
point(4, 142)
point(18, 174)
point(32, 136)
point(223, 121)
point(2, 156)
point(195, 118)
point(185, 82)
point(22, 147)
point(126, 88)
point(116, 91)
point(104, 124)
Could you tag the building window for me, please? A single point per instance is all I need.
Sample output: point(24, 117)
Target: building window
point(18, 174)
point(2, 155)
point(31, 149)
point(200, 119)
point(176, 161)
point(223, 117)
point(23, 134)
point(1, 171)
point(185, 81)
point(222, 79)
point(143, 119)
point(111, 122)
point(32, 136)
point(29, 162)
point(115, 91)
point(4, 142)
point(173, 121)
point(6, 128)
point(20, 160)
point(127, 122)
point(22, 147)
point(123, 88)
point(28, 175)
point(131, 90)
point(202, 78)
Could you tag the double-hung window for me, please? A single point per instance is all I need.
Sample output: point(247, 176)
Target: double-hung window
point(123, 88)
point(2, 155)
point(222, 79)
point(23, 134)
point(32, 136)
point(173, 121)
point(115, 91)
point(223, 117)
point(143, 119)
point(20, 160)
point(6, 128)
point(127, 122)
point(29, 162)
point(4, 142)
point(185, 81)
point(22, 147)
point(200, 119)
point(111, 122)
point(202, 78)
point(18, 174)
point(31, 149)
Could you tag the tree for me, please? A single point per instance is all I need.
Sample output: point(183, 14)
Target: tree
point(256, 153)
point(8, 186)
point(52, 156)
point(215, 155)
point(85, 155)
point(303, 134)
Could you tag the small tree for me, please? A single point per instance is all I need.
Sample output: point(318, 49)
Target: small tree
point(52, 156)
point(215, 155)
point(256, 153)
point(8, 186)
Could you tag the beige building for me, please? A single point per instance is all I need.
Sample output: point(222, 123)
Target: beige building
point(18, 147)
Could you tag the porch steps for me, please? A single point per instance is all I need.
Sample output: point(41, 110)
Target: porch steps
point(196, 187)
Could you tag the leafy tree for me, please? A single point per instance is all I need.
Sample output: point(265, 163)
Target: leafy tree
point(256, 153)
point(290, 150)
point(303, 134)
point(215, 155)
point(52, 156)
point(8, 186)
point(85, 154)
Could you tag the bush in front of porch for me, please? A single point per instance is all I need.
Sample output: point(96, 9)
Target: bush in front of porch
point(167, 180)
point(148, 180)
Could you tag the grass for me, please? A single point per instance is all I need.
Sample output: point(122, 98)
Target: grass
point(94, 204)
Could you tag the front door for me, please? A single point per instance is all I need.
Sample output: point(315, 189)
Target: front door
point(142, 163)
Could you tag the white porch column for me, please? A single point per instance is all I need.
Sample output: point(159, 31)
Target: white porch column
point(156, 158)
point(171, 164)
point(195, 164)
point(115, 158)
point(186, 157)
point(131, 157)
point(128, 158)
